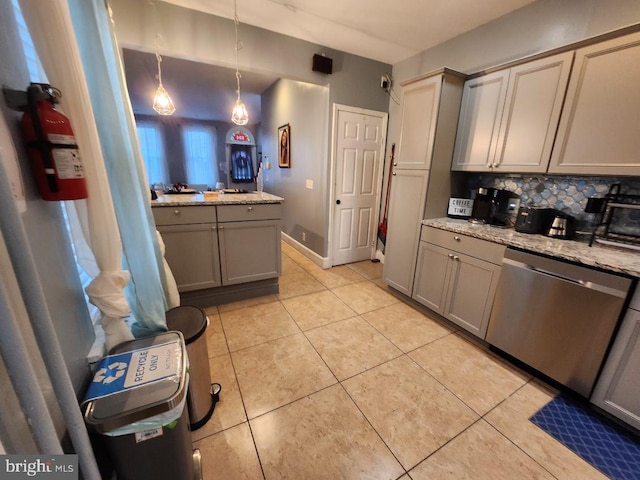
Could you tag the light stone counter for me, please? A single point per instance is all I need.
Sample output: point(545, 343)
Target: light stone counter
point(169, 200)
point(616, 259)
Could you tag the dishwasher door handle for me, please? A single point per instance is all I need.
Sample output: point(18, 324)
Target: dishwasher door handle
point(576, 281)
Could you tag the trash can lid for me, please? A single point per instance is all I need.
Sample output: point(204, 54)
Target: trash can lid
point(138, 379)
point(189, 320)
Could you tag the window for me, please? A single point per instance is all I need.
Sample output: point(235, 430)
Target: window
point(152, 149)
point(36, 73)
point(199, 155)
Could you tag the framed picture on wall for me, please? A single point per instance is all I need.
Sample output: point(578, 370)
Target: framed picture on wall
point(284, 146)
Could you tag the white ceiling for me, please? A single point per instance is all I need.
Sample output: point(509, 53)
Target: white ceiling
point(385, 30)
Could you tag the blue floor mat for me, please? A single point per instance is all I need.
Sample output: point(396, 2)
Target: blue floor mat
point(605, 445)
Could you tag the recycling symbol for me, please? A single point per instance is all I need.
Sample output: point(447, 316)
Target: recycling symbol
point(111, 373)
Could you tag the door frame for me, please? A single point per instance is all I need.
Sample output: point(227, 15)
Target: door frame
point(337, 108)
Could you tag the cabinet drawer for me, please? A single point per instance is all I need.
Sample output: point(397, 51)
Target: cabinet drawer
point(184, 215)
point(475, 247)
point(254, 211)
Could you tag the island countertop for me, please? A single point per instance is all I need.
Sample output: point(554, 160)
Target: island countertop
point(172, 200)
point(614, 259)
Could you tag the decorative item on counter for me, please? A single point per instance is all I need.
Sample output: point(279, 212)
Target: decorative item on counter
point(460, 207)
point(259, 179)
point(178, 188)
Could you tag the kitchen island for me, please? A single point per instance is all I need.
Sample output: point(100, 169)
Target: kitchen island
point(221, 247)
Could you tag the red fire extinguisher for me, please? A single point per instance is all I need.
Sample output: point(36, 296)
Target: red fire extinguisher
point(52, 147)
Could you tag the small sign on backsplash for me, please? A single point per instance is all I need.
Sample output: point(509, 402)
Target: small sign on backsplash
point(460, 207)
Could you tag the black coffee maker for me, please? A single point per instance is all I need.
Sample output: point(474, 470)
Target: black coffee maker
point(493, 206)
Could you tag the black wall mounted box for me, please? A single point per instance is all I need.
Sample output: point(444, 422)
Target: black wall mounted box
point(322, 64)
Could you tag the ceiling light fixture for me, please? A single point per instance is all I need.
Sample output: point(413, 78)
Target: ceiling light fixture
point(239, 116)
point(162, 101)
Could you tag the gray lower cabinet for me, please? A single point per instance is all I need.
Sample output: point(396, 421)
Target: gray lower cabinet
point(457, 276)
point(406, 208)
point(249, 251)
point(212, 246)
point(192, 253)
point(618, 389)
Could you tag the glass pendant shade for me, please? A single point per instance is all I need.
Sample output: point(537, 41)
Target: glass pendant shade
point(162, 102)
point(239, 116)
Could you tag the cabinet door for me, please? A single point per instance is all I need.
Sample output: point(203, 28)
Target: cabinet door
point(480, 114)
point(432, 275)
point(192, 253)
point(406, 207)
point(420, 102)
point(598, 132)
point(471, 289)
point(249, 251)
point(618, 389)
point(531, 114)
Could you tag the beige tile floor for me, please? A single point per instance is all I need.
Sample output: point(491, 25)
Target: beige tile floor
point(337, 378)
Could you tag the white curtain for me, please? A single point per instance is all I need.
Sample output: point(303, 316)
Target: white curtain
point(124, 164)
point(53, 37)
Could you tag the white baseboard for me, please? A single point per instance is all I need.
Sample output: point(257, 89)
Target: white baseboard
point(324, 262)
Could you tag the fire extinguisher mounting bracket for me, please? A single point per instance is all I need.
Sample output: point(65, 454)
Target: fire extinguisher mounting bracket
point(19, 99)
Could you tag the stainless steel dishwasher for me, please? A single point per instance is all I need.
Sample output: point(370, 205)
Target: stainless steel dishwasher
point(556, 317)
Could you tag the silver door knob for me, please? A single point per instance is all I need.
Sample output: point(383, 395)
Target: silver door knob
point(176, 212)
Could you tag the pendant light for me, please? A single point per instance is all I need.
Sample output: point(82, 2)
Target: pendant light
point(239, 116)
point(162, 101)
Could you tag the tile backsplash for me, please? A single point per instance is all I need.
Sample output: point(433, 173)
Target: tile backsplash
point(566, 193)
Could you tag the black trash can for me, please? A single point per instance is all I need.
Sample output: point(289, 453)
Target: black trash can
point(192, 322)
point(137, 402)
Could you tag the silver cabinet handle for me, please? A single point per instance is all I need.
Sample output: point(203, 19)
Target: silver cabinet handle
point(488, 165)
point(176, 212)
point(249, 208)
point(455, 257)
point(395, 164)
point(213, 228)
point(451, 255)
point(221, 227)
point(394, 174)
point(456, 238)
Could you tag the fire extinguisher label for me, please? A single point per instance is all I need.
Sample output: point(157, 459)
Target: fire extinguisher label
point(62, 139)
point(68, 163)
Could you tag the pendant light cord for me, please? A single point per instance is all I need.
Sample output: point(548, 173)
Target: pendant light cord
point(236, 21)
point(159, 59)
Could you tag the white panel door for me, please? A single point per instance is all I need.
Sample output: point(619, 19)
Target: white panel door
point(358, 154)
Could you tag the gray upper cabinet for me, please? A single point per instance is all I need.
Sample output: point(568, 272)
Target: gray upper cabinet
point(419, 116)
point(509, 118)
point(480, 114)
point(599, 130)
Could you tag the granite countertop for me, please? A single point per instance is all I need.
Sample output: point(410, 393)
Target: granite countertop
point(169, 200)
point(616, 259)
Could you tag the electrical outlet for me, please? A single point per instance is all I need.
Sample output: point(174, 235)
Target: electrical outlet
point(308, 184)
point(304, 236)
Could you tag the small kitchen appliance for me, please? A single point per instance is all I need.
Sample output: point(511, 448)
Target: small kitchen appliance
point(562, 226)
point(534, 219)
point(494, 206)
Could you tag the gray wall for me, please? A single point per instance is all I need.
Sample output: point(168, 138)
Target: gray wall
point(305, 107)
point(205, 38)
point(48, 242)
